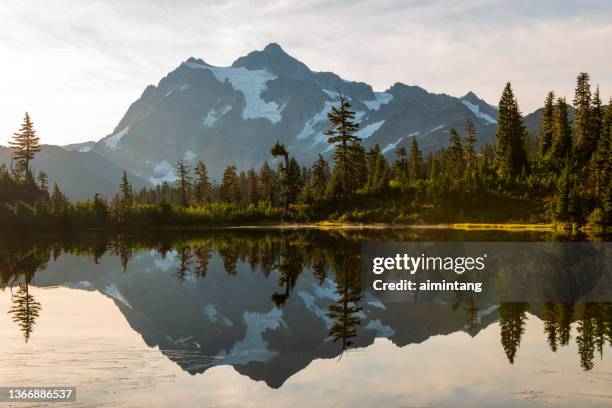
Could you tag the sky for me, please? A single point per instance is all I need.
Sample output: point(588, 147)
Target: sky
point(76, 66)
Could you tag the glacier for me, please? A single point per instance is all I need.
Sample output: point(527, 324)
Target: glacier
point(251, 83)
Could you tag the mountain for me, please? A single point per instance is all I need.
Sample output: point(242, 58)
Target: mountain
point(80, 174)
point(232, 115)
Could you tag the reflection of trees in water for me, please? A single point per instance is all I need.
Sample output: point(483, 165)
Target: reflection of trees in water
point(290, 265)
point(24, 310)
point(184, 259)
point(344, 311)
point(592, 321)
point(202, 257)
point(18, 266)
point(471, 309)
point(512, 318)
point(594, 327)
point(329, 256)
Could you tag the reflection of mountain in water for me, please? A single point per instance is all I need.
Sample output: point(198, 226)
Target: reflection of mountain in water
point(269, 305)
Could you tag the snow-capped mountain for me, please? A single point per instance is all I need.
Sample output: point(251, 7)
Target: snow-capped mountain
point(232, 115)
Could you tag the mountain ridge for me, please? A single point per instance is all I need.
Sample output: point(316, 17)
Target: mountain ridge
point(231, 115)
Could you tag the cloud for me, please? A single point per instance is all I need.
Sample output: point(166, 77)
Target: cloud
point(78, 65)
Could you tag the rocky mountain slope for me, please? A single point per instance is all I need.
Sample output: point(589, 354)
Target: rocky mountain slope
point(232, 115)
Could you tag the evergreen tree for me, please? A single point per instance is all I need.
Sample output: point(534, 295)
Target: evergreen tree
point(562, 134)
point(202, 188)
point(267, 184)
point(59, 202)
point(126, 200)
point(100, 210)
point(604, 163)
point(402, 166)
point(596, 118)
point(319, 176)
point(510, 153)
point(416, 160)
point(600, 151)
point(547, 126)
point(279, 150)
point(24, 146)
point(230, 186)
point(184, 182)
point(455, 157)
point(582, 119)
point(252, 187)
point(342, 135)
point(470, 157)
point(359, 168)
point(372, 160)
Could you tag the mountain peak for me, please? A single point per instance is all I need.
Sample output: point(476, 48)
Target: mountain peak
point(471, 96)
point(274, 59)
point(274, 48)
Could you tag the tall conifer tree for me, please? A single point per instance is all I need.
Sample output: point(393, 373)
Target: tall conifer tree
point(582, 119)
point(24, 146)
point(471, 160)
point(184, 181)
point(547, 127)
point(202, 190)
point(562, 133)
point(342, 135)
point(510, 153)
point(416, 160)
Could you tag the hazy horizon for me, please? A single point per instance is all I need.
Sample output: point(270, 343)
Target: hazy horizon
point(76, 67)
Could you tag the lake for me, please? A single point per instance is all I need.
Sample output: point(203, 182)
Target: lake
point(275, 317)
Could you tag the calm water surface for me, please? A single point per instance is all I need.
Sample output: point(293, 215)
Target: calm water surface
point(249, 318)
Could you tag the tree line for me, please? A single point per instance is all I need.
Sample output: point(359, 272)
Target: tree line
point(562, 174)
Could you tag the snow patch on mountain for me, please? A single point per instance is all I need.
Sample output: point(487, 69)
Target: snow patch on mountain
point(391, 146)
point(251, 83)
point(163, 172)
point(436, 128)
point(308, 129)
point(320, 138)
point(189, 156)
point(329, 148)
point(476, 111)
point(112, 141)
point(368, 130)
point(380, 98)
point(334, 94)
point(215, 114)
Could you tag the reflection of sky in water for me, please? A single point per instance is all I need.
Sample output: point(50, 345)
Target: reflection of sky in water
point(83, 339)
